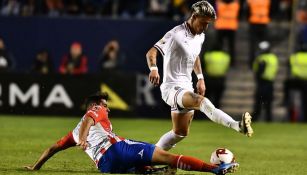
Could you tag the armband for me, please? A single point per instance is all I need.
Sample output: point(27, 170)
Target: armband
point(153, 68)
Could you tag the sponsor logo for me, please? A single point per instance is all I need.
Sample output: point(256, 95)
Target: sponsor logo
point(141, 153)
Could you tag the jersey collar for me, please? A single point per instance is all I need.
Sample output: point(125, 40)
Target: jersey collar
point(187, 29)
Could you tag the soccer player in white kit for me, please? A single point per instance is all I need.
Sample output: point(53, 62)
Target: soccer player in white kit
point(180, 48)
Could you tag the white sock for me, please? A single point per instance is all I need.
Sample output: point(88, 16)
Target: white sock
point(217, 115)
point(169, 140)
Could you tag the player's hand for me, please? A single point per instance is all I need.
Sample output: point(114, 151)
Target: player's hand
point(83, 144)
point(30, 167)
point(154, 77)
point(201, 87)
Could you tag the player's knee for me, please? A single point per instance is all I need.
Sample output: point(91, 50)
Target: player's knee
point(197, 100)
point(191, 100)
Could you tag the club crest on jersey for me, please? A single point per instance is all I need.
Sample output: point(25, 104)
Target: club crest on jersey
point(162, 41)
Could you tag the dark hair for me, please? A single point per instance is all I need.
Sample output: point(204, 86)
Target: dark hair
point(203, 8)
point(96, 98)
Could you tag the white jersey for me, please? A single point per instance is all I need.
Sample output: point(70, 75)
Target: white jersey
point(100, 136)
point(179, 48)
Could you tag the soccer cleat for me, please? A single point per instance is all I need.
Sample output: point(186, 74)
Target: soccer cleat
point(245, 125)
point(225, 168)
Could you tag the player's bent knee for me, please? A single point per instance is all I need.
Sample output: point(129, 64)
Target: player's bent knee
point(198, 100)
point(191, 100)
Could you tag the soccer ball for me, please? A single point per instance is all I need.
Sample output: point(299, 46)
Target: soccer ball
point(222, 155)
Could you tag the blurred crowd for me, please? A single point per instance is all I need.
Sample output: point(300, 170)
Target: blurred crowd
point(74, 62)
point(174, 9)
point(229, 12)
point(219, 57)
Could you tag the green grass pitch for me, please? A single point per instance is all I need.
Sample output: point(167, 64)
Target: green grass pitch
point(275, 149)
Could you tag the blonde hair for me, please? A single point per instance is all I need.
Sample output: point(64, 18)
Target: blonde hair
point(203, 8)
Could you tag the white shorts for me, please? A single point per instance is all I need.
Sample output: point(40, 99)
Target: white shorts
point(170, 96)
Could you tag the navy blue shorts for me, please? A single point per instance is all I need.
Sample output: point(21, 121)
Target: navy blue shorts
point(125, 155)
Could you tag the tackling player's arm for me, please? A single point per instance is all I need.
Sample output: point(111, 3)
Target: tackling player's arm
point(201, 87)
point(64, 143)
point(83, 132)
point(151, 56)
point(49, 152)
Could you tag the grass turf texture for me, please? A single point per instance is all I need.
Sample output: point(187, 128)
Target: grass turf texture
point(275, 149)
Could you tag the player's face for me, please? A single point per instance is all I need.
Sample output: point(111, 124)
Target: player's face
point(200, 24)
point(104, 103)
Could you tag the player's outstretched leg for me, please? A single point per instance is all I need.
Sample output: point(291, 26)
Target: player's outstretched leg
point(225, 168)
point(245, 125)
point(220, 117)
point(188, 163)
point(217, 115)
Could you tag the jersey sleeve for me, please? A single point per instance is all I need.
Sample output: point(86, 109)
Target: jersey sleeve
point(97, 113)
point(163, 44)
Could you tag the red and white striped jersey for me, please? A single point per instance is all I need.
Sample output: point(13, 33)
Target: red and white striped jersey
point(100, 136)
